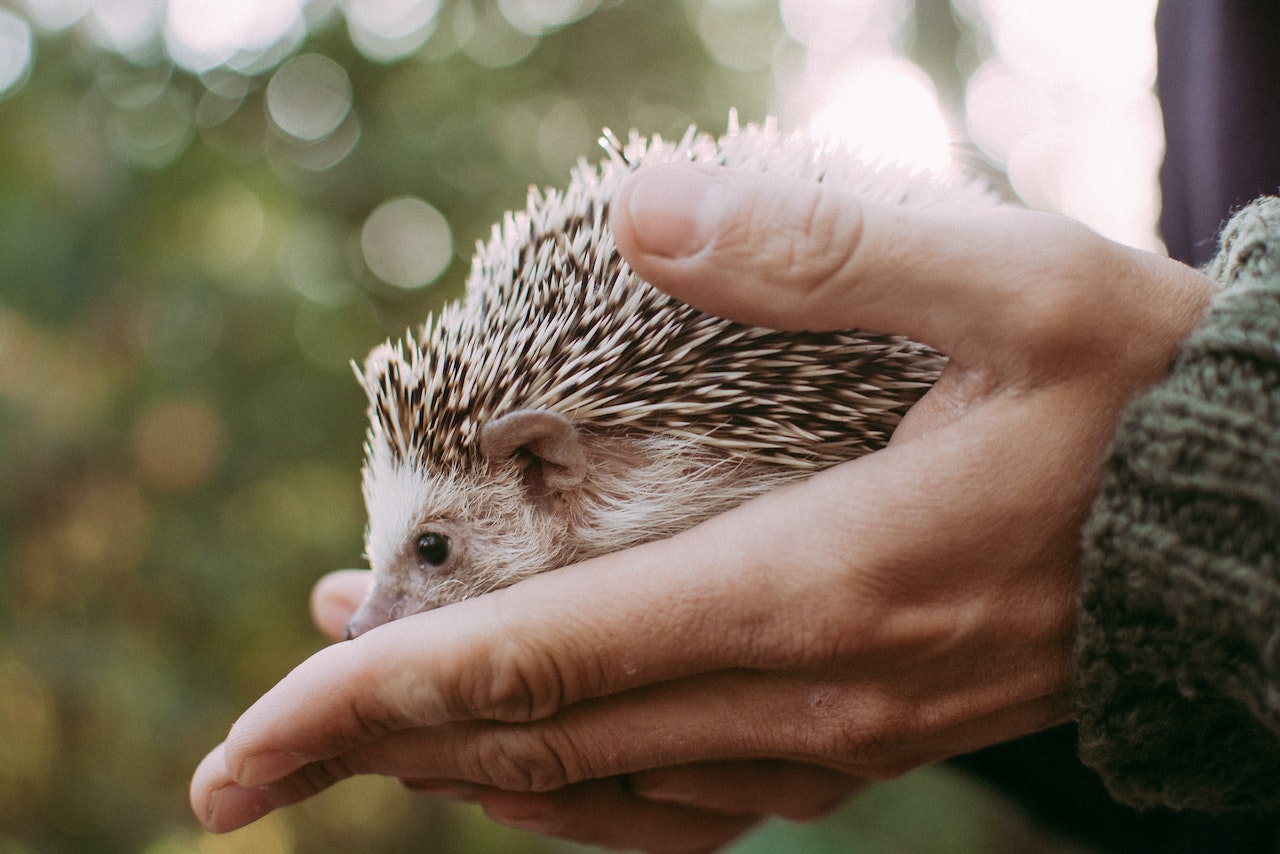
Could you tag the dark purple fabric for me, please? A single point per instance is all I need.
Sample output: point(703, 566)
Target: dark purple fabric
point(1219, 84)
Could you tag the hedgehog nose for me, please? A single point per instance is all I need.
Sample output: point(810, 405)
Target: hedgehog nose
point(380, 607)
point(363, 620)
point(360, 624)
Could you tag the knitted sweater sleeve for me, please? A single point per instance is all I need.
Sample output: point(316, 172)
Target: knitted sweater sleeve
point(1178, 651)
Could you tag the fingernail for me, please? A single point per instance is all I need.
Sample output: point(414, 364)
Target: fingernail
point(527, 811)
point(211, 816)
point(522, 820)
point(675, 210)
point(232, 807)
point(263, 768)
point(545, 826)
point(663, 791)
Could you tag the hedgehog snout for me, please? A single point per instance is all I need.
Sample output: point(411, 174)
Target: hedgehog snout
point(380, 607)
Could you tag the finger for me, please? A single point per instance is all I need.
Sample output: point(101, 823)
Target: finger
point(336, 597)
point(746, 787)
point(522, 653)
point(210, 778)
point(771, 251)
point(607, 813)
point(792, 790)
point(222, 805)
point(871, 733)
point(555, 639)
point(731, 716)
point(603, 812)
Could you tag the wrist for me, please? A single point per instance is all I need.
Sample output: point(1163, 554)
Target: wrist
point(1179, 590)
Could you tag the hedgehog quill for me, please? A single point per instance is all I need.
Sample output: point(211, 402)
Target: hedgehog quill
point(565, 408)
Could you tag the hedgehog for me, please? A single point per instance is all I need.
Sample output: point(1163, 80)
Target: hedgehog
point(565, 408)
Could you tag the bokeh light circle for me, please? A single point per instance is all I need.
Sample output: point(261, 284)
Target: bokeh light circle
point(536, 17)
point(53, 16)
point(131, 28)
point(887, 108)
point(17, 51)
point(202, 34)
point(406, 243)
point(309, 96)
point(387, 30)
point(828, 26)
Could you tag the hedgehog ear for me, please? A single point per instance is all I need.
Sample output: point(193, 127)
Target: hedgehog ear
point(544, 443)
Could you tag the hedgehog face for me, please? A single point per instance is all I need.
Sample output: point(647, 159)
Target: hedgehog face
point(439, 537)
point(437, 534)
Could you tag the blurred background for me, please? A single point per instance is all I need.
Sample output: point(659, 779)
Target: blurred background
point(209, 207)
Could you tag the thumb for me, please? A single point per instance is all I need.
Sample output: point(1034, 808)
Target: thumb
point(335, 598)
point(781, 253)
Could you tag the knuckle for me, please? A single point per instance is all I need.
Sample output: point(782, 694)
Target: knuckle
point(868, 740)
point(313, 778)
point(808, 239)
point(517, 683)
point(522, 759)
point(517, 692)
point(825, 238)
point(373, 719)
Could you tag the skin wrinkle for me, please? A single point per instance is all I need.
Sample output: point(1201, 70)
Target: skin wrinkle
point(524, 760)
point(513, 689)
point(688, 603)
point(834, 286)
point(824, 245)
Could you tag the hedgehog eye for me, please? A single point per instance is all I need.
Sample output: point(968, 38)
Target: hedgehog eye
point(433, 548)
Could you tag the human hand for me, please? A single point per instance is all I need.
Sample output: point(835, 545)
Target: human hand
point(910, 605)
point(697, 805)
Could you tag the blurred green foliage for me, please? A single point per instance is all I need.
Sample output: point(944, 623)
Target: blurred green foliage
point(181, 291)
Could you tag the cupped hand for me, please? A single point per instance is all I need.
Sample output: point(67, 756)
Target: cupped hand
point(687, 807)
point(907, 606)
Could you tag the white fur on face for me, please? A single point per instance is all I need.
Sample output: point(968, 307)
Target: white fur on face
point(394, 495)
point(498, 535)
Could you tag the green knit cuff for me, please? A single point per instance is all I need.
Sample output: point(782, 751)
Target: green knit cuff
point(1178, 651)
